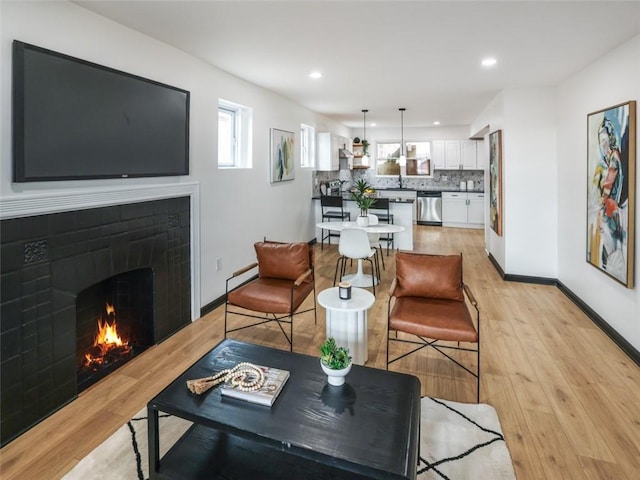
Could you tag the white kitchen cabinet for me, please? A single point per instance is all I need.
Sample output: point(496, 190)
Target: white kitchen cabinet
point(455, 155)
point(481, 156)
point(463, 209)
point(347, 144)
point(328, 151)
point(454, 208)
point(475, 212)
point(402, 195)
point(452, 155)
point(468, 155)
point(437, 154)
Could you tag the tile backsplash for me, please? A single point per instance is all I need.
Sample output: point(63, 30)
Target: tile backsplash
point(441, 180)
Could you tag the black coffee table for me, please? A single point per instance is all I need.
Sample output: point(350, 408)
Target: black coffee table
point(368, 428)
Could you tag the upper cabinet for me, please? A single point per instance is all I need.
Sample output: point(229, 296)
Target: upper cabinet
point(482, 155)
point(328, 151)
point(437, 154)
point(452, 155)
point(468, 155)
point(455, 155)
point(328, 154)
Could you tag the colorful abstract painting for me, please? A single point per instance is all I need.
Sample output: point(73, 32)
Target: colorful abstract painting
point(282, 155)
point(611, 173)
point(495, 181)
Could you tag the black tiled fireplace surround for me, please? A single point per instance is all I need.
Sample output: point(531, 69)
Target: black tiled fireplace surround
point(47, 260)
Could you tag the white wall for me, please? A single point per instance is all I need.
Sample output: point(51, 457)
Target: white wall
point(544, 138)
point(527, 120)
point(612, 79)
point(530, 187)
point(493, 117)
point(233, 210)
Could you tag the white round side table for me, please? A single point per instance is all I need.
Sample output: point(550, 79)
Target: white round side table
point(347, 320)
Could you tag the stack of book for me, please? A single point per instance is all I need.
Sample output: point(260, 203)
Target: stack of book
point(274, 380)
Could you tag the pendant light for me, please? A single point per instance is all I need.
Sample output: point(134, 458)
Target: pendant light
point(365, 157)
point(403, 158)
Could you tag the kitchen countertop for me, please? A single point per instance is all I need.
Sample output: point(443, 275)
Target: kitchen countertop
point(443, 189)
point(475, 190)
point(391, 200)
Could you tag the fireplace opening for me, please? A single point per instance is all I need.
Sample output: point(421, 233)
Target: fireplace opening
point(114, 323)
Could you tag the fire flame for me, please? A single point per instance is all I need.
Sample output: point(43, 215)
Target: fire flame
point(107, 338)
point(107, 335)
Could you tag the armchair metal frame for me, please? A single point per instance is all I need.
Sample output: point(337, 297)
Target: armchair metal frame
point(267, 316)
point(421, 341)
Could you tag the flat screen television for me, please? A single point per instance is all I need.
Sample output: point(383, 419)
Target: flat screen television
point(73, 119)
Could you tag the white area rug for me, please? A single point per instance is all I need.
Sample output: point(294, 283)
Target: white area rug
point(462, 441)
point(124, 455)
point(459, 441)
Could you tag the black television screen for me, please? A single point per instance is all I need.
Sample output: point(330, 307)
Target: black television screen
point(74, 119)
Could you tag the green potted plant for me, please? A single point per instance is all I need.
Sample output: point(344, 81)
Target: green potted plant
point(364, 200)
point(365, 147)
point(335, 362)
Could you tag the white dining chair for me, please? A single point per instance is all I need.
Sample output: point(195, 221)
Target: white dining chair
point(374, 241)
point(354, 244)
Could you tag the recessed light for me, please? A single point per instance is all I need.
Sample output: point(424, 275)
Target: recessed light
point(373, 124)
point(436, 123)
point(489, 62)
point(315, 75)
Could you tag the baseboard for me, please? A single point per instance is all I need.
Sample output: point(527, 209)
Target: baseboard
point(497, 266)
point(618, 339)
point(529, 279)
point(508, 277)
point(211, 306)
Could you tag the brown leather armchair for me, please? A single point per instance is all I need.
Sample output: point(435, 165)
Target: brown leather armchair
point(427, 301)
point(285, 278)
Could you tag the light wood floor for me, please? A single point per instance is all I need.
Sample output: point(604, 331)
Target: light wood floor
point(567, 397)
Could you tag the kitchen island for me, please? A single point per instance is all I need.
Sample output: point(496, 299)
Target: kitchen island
point(402, 211)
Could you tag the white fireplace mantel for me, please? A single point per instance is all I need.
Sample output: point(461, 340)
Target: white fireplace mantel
point(29, 205)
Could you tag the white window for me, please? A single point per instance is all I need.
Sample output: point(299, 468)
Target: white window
point(234, 135)
point(418, 155)
point(307, 146)
point(387, 154)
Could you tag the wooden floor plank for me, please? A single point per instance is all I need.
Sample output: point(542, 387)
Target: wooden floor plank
point(566, 395)
point(553, 448)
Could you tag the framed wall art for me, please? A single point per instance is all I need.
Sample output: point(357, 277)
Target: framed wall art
point(282, 154)
point(495, 181)
point(611, 173)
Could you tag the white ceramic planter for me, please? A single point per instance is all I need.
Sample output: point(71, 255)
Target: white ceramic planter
point(362, 221)
point(335, 377)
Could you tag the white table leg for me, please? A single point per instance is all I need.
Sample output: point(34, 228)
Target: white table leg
point(360, 279)
point(349, 329)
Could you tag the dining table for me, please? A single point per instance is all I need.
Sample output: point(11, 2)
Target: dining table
point(361, 279)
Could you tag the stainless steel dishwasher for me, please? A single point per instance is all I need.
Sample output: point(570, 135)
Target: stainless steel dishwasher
point(429, 208)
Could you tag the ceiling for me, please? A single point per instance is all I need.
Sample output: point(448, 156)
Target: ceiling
point(382, 55)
